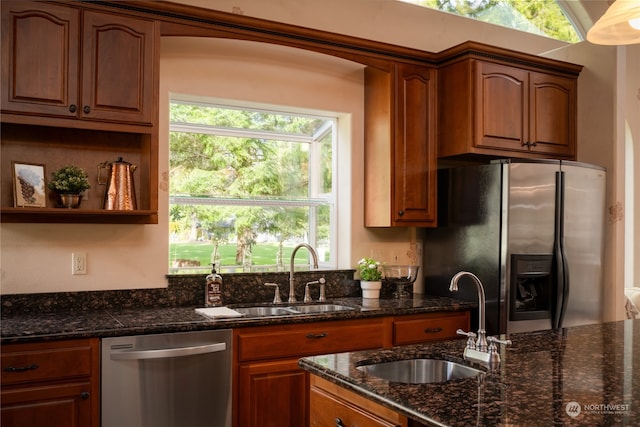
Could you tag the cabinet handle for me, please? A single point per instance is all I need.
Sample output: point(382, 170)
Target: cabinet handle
point(339, 423)
point(84, 395)
point(73, 108)
point(533, 144)
point(316, 336)
point(433, 330)
point(401, 213)
point(86, 109)
point(31, 367)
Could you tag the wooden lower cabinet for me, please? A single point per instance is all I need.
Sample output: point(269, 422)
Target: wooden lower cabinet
point(331, 405)
point(270, 390)
point(51, 384)
point(272, 394)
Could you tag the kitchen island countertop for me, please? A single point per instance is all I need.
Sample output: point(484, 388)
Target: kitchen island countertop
point(579, 376)
point(35, 326)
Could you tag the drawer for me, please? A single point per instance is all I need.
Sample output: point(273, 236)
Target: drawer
point(271, 342)
point(424, 328)
point(24, 363)
point(328, 404)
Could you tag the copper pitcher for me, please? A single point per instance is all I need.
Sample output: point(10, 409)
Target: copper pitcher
point(120, 190)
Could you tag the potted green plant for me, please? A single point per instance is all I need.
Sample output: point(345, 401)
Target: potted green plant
point(370, 277)
point(68, 182)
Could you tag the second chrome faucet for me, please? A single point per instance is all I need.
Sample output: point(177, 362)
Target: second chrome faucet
point(478, 349)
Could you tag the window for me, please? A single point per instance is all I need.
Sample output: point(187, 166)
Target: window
point(246, 186)
point(542, 17)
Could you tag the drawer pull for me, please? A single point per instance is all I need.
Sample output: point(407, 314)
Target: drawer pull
point(433, 330)
point(316, 336)
point(31, 367)
point(339, 423)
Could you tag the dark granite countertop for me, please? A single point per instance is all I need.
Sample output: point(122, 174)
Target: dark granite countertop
point(588, 371)
point(113, 321)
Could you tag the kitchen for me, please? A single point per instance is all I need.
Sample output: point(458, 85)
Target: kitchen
point(117, 251)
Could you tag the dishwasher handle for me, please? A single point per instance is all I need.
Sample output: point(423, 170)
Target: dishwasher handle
point(167, 352)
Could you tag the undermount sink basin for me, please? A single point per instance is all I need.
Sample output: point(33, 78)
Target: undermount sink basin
point(419, 371)
point(321, 308)
point(263, 311)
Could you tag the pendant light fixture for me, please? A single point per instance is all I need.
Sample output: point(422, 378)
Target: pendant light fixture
point(619, 25)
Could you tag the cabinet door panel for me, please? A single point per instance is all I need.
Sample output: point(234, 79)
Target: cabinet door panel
point(272, 394)
point(552, 105)
point(39, 58)
point(117, 82)
point(501, 107)
point(60, 405)
point(415, 157)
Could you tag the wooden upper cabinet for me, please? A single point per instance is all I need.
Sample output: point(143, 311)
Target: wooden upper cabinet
point(117, 68)
point(400, 146)
point(552, 114)
point(65, 62)
point(40, 48)
point(501, 109)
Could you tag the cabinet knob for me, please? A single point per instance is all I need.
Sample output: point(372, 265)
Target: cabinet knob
point(339, 423)
point(400, 213)
point(73, 108)
point(84, 395)
point(86, 109)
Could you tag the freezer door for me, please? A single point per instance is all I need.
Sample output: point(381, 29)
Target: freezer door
point(530, 221)
point(584, 212)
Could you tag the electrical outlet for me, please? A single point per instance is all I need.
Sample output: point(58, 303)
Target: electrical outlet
point(78, 263)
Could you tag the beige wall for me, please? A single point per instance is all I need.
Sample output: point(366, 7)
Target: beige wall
point(36, 258)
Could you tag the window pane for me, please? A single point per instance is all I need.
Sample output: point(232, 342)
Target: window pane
point(247, 186)
point(240, 238)
point(542, 17)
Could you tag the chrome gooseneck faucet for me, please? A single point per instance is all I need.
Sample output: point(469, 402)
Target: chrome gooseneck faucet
point(292, 281)
point(479, 350)
point(481, 342)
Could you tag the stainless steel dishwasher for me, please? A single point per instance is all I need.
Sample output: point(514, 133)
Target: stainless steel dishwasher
point(167, 380)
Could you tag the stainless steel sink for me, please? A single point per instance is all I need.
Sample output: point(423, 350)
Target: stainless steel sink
point(321, 308)
point(419, 371)
point(263, 311)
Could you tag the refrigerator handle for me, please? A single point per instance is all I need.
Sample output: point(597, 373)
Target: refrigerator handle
point(560, 261)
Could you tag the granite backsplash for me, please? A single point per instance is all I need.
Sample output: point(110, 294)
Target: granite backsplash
point(188, 291)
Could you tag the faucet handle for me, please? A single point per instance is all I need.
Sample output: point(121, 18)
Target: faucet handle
point(494, 340)
point(471, 338)
point(494, 356)
point(307, 294)
point(276, 297)
point(322, 297)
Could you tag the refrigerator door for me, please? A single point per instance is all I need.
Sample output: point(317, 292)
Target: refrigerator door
point(584, 220)
point(530, 222)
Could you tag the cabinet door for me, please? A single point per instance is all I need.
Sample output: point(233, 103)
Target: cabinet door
point(552, 117)
point(61, 405)
point(502, 107)
point(414, 153)
point(272, 394)
point(117, 68)
point(39, 58)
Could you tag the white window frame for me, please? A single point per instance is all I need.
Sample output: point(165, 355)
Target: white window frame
point(316, 198)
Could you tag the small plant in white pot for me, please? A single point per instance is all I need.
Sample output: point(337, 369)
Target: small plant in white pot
point(68, 182)
point(370, 277)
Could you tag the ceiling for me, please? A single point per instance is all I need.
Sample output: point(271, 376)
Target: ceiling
point(584, 13)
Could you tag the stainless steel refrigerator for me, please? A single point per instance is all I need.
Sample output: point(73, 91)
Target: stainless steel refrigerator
point(532, 231)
